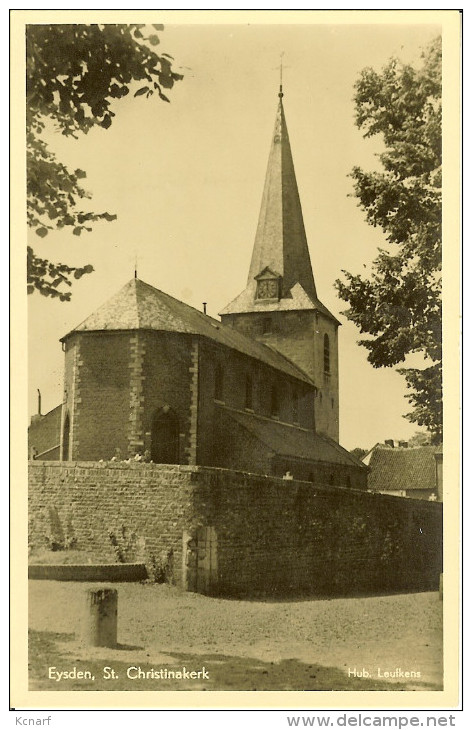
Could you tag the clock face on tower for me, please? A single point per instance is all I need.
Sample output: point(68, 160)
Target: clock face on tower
point(268, 289)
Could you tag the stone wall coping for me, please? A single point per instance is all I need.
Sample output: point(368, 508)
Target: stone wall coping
point(95, 564)
point(247, 476)
point(126, 466)
point(89, 572)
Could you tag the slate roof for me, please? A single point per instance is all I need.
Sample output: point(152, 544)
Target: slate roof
point(139, 306)
point(297, 300)
point(402, 469)
point(280, 244)
point(292, 441)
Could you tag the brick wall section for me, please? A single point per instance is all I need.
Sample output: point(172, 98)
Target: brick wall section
point(274, 536)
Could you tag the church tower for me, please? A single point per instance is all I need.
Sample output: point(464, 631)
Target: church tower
point(279, 305)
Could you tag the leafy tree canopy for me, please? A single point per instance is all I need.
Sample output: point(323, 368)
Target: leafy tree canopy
point(74, 73)
point(420, 438)
point(358, 452)
point(399, 306)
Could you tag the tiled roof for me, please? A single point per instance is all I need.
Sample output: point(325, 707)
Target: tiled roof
point(298, 300)
point(287, 440)
point(45, 432)
point(402, 469)
point(140, 306)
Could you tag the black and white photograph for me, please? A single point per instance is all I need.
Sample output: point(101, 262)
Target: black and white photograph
point(242, 253)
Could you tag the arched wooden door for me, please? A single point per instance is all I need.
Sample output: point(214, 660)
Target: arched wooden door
point(165, 438)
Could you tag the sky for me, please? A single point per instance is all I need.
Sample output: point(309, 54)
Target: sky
point(185, 180)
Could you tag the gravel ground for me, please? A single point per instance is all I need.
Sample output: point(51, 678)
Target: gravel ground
point(401, 631)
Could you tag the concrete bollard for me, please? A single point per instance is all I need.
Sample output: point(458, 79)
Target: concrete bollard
point(440, 586)
point(100, 617)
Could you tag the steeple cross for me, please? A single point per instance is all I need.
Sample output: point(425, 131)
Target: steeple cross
point(281, 69)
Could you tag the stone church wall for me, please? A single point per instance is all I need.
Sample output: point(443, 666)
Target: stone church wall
point(300, 337)
point(114, 384)
point(273, 536)
point(236, 368)
point(97, 394)
point(167, 380)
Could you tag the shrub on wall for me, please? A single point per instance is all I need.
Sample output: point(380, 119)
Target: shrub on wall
point(59, 537)
point(124, 544)
point(161, 568)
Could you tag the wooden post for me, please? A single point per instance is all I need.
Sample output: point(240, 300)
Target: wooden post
point(100, 617)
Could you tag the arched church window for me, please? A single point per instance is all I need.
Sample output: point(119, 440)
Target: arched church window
point(326, 354)
point(248, 395)
point(219, 382)
point(274, 401)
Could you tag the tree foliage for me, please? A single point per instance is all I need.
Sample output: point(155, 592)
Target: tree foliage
point(398, 306)
point(420, 438)
point(74, 73)
point(358, 452)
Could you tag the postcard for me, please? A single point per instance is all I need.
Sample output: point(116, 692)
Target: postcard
point(235, 446)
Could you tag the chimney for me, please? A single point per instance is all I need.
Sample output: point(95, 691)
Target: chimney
point(37, 416)
point(403, 444)
point(204, 307)
point(390, 442)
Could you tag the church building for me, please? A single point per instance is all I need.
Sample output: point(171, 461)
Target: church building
point(256, 392)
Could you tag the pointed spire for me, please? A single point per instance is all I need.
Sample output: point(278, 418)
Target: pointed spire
point(280, 242)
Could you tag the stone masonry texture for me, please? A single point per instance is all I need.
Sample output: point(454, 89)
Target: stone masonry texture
point(300, 337)
point(274, 536)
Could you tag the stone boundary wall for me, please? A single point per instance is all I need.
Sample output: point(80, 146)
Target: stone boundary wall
point(273, 536)
point(277, 536)
point(103, 509)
